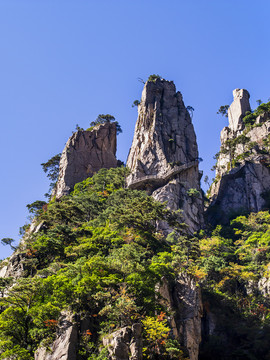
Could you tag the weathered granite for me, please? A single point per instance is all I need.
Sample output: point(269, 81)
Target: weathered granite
point(13, 266)
point(242, 174)
point(183, 298)
point(85, 153)
point(163, 158)
point(238, 109)
point(125, 343)
point(264, 286)
point(240, 191)
point(64, 347)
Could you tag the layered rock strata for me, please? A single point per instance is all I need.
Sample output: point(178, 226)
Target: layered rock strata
point(163, 158)
point(242, 170)
point(85, 153)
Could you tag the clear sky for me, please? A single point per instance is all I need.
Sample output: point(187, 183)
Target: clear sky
point(63, 62)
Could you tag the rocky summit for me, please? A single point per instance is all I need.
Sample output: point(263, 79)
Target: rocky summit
point(163, 158)
point(85, 153)
point(242, 178)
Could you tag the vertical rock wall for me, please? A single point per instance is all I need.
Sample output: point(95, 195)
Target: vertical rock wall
point(183, 298)
point(163, 158)
point(85, 153)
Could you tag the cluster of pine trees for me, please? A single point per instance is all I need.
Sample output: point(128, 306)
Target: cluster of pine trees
point(99, 254)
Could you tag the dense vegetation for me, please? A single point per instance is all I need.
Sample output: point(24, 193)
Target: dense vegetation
point(99, 255)
point(234, 263)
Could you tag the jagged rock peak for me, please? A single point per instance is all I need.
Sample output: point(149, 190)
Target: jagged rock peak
point(163, 126)
point(85, 153)
point(238, 108)
point(163, 158)
point(242, 169)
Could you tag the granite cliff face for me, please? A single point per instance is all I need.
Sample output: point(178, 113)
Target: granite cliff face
point(65, 345)
point(85, 153)
point(125, 343)
point(163, 158)
point(242, 170)
point(183, 299)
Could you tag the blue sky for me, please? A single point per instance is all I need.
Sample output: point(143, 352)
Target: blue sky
point(63, 62)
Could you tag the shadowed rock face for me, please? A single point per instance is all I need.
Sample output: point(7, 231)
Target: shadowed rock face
point(242, 173)
point(85, 153)
point(183, 299)
point(163, 158)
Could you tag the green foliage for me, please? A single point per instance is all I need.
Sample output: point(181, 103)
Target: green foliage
point(157, 344)
point(250, 117)
point(36, 207)
point(51, 168)
point(232, 260)
point(229, 148)
point(25, 319)
point(78, 128)
point(8, 241)
point(100, 254)
point(136, 103)
point(103, 119)
point(223, 110)
point(153, 78)
point(194, 193)
point(156, 333)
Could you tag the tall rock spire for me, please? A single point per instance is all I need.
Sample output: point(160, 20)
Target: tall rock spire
point(242, 182)
point(163, 158)
point(238, 108)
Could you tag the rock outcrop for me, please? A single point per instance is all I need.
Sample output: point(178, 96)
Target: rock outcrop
point(65, 345)
point(85, 153)
point(13, 266)
point(242, 170)
point(125, 343)
point(163, 158)
point(238, 108)
point(183, 298)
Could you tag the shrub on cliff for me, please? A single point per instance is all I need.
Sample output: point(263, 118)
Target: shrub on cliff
point(103, 119)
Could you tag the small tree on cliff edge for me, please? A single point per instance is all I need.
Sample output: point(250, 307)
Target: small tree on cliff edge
point(51, 167)
point(102, 119)
point(223, 110)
